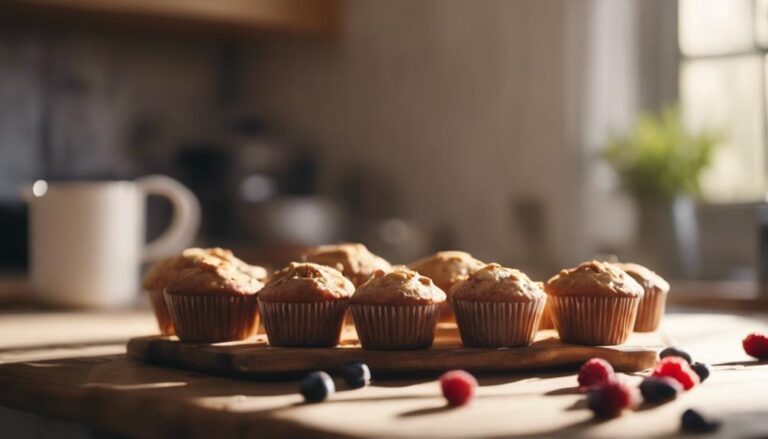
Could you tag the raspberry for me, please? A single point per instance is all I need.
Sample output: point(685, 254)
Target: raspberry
point(611, 398)
point(595, 372)
point(677, 368)
point(458, 387)
point(756, 345)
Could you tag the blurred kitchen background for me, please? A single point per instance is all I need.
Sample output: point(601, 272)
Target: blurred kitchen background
point(411, 126)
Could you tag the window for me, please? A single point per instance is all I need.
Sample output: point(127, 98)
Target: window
point(722, 88)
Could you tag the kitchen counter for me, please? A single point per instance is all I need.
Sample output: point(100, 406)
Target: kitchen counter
point(67, 373)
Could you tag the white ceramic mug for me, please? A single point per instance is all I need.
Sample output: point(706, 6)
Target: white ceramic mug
point(87, 237)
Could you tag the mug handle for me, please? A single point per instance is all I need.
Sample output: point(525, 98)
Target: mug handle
point(184, 222)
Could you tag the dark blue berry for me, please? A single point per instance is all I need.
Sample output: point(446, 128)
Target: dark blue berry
point(317, 386)
point(676, 352)
point(702, 370)
point(356, 374)
point(694, 422)
point(660, 389)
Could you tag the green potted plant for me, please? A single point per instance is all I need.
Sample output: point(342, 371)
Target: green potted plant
point(660, 163)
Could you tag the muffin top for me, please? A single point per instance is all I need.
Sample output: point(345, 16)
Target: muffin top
point(353, 260)
point(647, 279)
point(494, 283)
point(217, 276)
point(593, 278)
point(169, 270)
point(446, 268)
point(400, 287)
point(302, 282)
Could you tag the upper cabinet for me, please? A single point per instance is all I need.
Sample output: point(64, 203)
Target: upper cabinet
point(224, 17)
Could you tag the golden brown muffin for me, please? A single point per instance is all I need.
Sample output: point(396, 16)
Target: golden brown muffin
point(498, 307)
point(494, 283)
point(400, 287)
point(648, 279)
point(654, 300)
point(212, 277)
point(396, 310)
point(307, 282)
point(446, 269)
point(594, 304)
point(214, 300)
point(304, 305)
point(352, 259)
point(594, 278)
point(169, 270)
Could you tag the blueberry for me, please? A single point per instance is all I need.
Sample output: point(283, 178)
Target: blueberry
point(694, 422)
point(660, 389)
point(702, 370)
point(676, 352)
point(317, 386)
point(356, 374)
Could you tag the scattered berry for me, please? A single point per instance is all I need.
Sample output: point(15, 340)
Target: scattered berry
point(660, 389)
point(693, 422)
point(702, 370)
point(677, 368)
point(595, 372)
point(611, 398)
point(458, 387)
point(676, 352)
point(356, 374)
point(317, 386)
point(756, 345)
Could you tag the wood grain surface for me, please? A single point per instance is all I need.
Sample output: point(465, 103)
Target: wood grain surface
point(254, 357)
point(56, 373)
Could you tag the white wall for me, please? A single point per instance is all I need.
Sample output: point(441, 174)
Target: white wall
point(469, 105)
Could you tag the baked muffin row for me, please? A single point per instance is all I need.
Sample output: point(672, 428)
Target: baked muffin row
point(208, 295)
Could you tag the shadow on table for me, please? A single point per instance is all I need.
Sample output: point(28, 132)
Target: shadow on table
point(573, 390)
point(745, 363)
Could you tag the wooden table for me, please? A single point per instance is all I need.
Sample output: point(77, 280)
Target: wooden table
point(67, 373)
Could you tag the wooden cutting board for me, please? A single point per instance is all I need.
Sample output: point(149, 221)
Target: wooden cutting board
point(253, 357)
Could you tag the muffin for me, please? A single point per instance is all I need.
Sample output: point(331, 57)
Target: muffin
point(396, 310)
point(594, 304)
point(215, 300)
point(304, 305)
point(353, 260)
point(654, 300)
point(167, 271)
point(446, 269)
point(498, 307)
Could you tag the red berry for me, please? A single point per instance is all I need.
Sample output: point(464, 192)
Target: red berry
point(595, 372)
point(458, 387)
point(756, 345)
point(611, 398)
point(677, 368)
